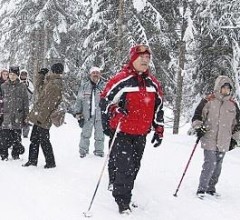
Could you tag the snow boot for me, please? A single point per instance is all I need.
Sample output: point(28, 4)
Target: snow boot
point(124, 209)
point(200, 194)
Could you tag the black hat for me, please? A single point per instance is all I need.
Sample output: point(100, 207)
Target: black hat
point(57, 68)
point(14, 69)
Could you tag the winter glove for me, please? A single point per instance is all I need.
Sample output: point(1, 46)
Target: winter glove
point(81, 122)
point(233, 144)
point(43, 71)
point(157, 137)
point(201, 131)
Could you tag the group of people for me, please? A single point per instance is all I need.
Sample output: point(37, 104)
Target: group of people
point(15, 114)
point(134, 95)
point(125, 108)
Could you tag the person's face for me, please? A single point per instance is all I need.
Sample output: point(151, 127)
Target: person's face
point(5, 75)
point(225, 90)
point(13, 76)
point(95, 76)
point(141, 64)
point(23, 76)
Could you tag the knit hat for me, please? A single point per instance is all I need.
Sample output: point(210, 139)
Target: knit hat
point(14, 69)
point(94, 69)
point(57, 68)
point(136, 50)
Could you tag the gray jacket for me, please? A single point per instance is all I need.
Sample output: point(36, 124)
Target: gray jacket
point(220, 115)
point(83, 103)
point(15, 104)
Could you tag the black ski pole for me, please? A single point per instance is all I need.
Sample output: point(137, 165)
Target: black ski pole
point(88, 213)
point(185, 170)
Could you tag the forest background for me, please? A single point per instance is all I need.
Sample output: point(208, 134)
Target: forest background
point(192, 42)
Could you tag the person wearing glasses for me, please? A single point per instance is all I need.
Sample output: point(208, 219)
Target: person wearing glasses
point(132, 102)
point(217, 123)
point(15, 111)
point(88, 111)
point(25, 80)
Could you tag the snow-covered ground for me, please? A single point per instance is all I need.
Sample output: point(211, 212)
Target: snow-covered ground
point(65, 192)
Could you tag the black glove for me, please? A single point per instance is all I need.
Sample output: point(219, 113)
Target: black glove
point(201, 131)
point(156, 140)
point(81, 122)
point(233, 144)
point(43, 71)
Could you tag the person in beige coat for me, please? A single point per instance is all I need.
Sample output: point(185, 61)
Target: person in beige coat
point(49, 97)
point(216, 121)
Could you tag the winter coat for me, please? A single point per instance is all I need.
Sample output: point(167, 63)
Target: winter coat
point(15, 104)
point(221, 117)
point(84, 100)
point(139, 95)
point(49, 97)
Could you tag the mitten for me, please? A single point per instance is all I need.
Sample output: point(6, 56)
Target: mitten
point(157, 137)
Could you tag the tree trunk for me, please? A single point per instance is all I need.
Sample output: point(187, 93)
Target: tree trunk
point(120, 29)
point(178, 101)
point(180, 75)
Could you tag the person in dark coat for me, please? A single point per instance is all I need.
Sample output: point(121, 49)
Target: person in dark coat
point(132, 101)
point(15, 110)
point(49, 97)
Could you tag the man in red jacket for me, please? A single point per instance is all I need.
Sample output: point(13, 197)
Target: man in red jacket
point(132, 100)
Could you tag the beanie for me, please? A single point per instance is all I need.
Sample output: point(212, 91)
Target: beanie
point(57, 68)
point(14, 69)
point(136, 50)
point(94, 69)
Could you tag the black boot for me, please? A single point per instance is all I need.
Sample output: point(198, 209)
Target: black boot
point(124, 209)
point(47, 166)
point(29, 163)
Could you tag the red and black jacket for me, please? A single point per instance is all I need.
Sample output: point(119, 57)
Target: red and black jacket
point(140, 95)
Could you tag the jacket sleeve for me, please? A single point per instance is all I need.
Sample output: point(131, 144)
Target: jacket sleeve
point(25, 102)
point(39, 82)
point(78, 108)
point(236, 130)
point(197, 120)
point(158, 120)
point(108, 98)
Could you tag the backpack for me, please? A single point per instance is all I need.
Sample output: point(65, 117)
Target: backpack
point(58, 115)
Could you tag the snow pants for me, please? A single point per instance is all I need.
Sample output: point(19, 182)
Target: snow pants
point(211, 170)
point(40, 136)
point(86, 135)
point(11, 138)
point(124, 164)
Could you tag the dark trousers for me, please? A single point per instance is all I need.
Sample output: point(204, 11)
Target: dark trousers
point(11, 138)
point(124, 164)
point(40, 136)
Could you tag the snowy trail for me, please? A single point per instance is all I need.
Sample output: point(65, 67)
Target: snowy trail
point(64, 193)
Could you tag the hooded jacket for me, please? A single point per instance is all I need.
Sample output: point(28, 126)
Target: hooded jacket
point(221, 117)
